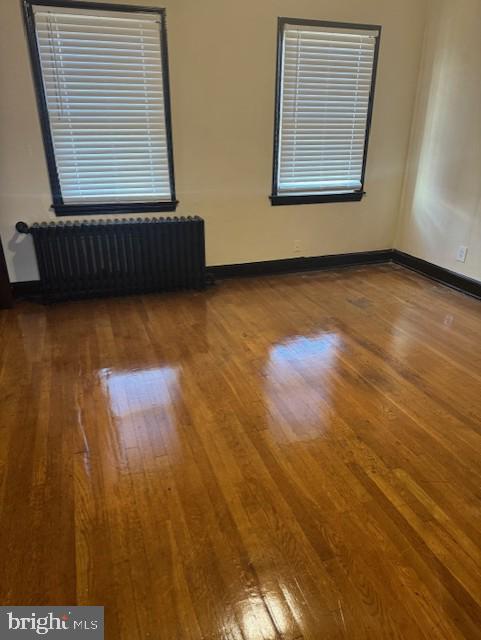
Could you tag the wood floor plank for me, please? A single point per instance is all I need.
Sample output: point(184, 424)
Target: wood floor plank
point(280, 458)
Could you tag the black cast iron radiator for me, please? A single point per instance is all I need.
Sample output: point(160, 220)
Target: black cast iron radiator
point(114, 257)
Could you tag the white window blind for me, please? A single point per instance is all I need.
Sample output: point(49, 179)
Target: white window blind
point(103, 83)
point(326, 79)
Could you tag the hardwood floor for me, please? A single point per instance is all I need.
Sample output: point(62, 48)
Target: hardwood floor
point(287, 457)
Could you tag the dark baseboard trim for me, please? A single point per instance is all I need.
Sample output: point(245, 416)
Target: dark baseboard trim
point(440, 274)
point(32, 288)
point(295, 265)
point(29, 288)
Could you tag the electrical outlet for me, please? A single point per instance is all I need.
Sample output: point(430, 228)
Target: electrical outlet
point(462, 253)
point(297, 246)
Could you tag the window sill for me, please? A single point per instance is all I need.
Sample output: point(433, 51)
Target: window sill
point(278, 201)
point(104, 209)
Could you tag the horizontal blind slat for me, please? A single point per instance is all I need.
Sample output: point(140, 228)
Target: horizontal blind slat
point(310, 54)
point(97, 47)
point(81, 155)
point(98, 19)
point(116, 145)
point(119, 37)
point(321, 164)
point(160, 181)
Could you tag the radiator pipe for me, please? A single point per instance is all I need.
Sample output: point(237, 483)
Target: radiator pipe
point(22, 227)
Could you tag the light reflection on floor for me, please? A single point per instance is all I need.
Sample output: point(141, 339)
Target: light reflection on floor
point(141, 404)
point(291, 367)
point(261, 617)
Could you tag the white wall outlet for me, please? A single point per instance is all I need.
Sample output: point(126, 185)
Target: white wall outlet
point(297, 246)
point(462, 253)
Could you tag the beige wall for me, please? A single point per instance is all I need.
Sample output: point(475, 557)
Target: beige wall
point(222, 67)
point(441, 207)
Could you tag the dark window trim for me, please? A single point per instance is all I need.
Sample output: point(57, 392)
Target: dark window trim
point(316, 198)
point(60, 208)
point(119, 207)
point(355, 196)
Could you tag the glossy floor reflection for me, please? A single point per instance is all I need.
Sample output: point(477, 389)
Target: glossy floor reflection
point(276, 458)
point(293, 372)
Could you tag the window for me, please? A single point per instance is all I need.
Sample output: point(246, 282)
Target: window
point(101, 75)
point(325, 87)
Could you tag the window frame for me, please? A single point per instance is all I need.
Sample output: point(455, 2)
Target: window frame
point(59, 206)
point(318, 198)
